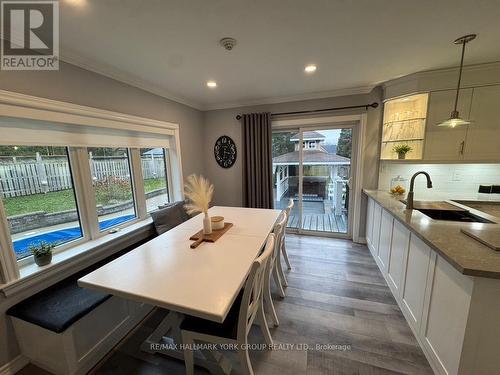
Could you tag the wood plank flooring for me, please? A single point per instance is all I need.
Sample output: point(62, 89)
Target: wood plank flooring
point(336, 296)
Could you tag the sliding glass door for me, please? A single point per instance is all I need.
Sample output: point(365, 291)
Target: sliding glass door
point(312, 166)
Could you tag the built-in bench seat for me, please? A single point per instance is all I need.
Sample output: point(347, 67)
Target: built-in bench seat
point(59, 306)
point(66, 329)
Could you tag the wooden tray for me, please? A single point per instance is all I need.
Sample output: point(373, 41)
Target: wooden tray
point(199, 237)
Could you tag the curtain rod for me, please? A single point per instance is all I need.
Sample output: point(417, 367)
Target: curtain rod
point(365, 106)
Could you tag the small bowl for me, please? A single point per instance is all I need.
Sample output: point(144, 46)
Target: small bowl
point(217, 222)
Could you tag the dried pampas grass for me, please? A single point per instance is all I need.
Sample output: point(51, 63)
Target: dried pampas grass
point(199, 191)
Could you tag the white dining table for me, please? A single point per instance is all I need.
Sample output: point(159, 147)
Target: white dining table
point(201, 282)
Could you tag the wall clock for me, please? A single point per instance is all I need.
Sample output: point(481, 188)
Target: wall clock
point(225, 151)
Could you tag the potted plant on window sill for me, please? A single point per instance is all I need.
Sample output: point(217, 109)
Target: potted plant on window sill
point(42, 252)
point(402, 150)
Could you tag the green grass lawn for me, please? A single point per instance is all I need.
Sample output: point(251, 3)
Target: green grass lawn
point(59, 200)
point(51, 202)
point(154, 184)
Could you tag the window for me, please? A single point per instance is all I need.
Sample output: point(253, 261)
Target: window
point(36, 188)
point(112, 182)
point(70, 173)
point(154, 174)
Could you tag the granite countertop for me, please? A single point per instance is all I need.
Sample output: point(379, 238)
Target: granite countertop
point(467, 255)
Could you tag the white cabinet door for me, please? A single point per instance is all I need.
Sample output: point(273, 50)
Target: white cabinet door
point(448, 299)
point(384, 246)
point(369, 221)
point(415, 280)
point(399, 254)
point(482, 136)
point(443, 143)
point(377, 215)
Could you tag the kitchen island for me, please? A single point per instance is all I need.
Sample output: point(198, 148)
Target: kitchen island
point(446, 283)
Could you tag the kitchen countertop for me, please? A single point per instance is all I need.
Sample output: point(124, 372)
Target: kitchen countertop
point(467, 255)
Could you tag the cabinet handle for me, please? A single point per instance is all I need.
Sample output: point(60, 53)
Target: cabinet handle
point(462, 146)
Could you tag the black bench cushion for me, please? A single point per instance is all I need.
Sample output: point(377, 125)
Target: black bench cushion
point(59, 306)
point(169, 216)
point(228, 329)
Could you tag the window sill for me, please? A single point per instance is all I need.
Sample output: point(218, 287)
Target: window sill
point(31, 274)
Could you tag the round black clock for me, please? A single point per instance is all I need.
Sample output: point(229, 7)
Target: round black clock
point(225, 151)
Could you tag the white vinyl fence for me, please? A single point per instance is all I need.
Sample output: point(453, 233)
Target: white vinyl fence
point(18, 178)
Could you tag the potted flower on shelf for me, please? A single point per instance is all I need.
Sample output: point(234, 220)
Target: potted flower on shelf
point(42, 252)
point(402, 150)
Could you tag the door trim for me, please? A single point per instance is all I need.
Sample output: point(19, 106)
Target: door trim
point(357, 123)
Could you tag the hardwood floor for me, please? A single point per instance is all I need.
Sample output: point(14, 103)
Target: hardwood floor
point(336, 296)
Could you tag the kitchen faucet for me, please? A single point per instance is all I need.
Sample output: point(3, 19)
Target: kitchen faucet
point(409, 198)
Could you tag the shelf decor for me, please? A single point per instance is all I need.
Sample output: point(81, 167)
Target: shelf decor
point(402, 150)
point(404, 126)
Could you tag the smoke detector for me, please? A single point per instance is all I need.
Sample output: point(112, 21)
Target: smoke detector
point(228, 43)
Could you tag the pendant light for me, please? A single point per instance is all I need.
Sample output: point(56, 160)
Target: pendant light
point(455, 119)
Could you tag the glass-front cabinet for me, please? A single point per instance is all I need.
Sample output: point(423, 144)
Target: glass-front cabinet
point(403, 129)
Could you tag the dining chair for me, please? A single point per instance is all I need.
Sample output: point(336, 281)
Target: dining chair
point(247, 307)
point(282, 250)
point(273, 270)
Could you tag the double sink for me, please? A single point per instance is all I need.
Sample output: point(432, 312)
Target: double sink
point(442, 210)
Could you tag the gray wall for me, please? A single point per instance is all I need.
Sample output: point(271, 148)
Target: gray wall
point(229, 189)
point(80, 86)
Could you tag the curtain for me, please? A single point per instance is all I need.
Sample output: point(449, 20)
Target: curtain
point(257, 160)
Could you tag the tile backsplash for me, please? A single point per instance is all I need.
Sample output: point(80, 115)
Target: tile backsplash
point(453, 178)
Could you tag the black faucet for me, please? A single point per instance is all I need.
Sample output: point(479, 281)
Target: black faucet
point(409, 198)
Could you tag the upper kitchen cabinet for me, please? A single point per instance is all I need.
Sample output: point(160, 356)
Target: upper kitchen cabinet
point(482, 135)
point(443, 143)
point(404, 124)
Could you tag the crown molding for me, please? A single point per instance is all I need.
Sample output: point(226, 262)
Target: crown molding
point(121, 76)
point(437, 72)
point(73, 58)
point(294, 98)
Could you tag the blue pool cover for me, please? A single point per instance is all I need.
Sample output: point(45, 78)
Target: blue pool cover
point(21, 246)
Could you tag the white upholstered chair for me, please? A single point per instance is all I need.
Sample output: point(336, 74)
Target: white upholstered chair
point(247, 307)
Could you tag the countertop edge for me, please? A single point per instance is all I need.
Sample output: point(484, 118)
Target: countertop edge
point(463, 270)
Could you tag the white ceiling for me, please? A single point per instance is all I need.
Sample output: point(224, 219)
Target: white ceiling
point(171, 47)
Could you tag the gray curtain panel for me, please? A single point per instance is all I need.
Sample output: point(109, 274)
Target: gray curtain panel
point(257, 160)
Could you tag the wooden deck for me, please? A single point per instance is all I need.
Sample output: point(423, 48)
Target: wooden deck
point(320, 222)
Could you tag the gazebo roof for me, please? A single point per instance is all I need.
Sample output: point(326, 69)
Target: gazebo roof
point(308, 135)
point(311, 157)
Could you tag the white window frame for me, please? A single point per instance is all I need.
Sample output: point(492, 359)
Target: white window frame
point(168, 179)
point(35, 108)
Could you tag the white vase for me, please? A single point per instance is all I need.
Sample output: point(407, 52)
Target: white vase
point(207, 224)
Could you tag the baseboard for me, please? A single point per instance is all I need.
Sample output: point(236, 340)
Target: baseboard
point(361, 240)
point(10, 368)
